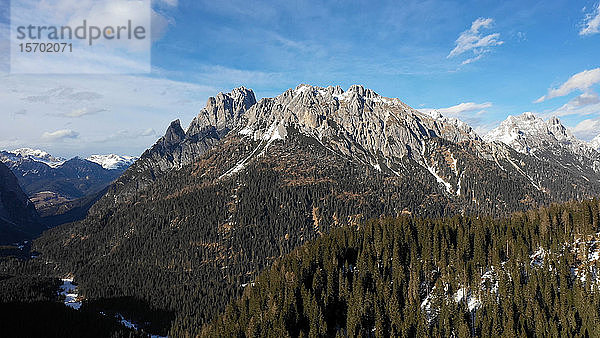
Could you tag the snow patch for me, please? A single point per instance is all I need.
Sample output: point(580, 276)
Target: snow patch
point(537, 258)
point(275, 132)
point(69, 290)
point(464, 295)
point(34, 155)
point(440, 179)
point(112, 161)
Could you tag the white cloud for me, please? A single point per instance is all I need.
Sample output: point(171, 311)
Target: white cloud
point(472, 40)
point(586, 104)
point(112, 56)
point(126, 134)
point(144, 104)
point(226, 76)
point(60, 135)
point(83, 111)
point(171, 3)
point(591, 23)
point(148, 132)
point(587, 129)
point(585, 99)
point(464, 107)
point(580, 81)
point(468, 112)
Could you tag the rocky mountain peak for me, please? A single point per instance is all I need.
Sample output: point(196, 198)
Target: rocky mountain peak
point(223, 111)
point(31, 154)
point(559, 130)
point(595, 143)
point(174, 134)
point(529, 134)
point(112, 161)
point(358, 123)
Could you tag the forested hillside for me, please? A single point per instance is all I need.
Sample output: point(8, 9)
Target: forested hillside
point(32, 307)
point(532, 274)
point(190, 241)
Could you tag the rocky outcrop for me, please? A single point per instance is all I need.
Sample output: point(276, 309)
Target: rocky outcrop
point(380, 132)
point(177, 147)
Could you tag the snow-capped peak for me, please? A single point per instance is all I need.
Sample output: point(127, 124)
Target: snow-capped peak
point(527, 133)
point(36, 155)
point(595, 143)
point(112, 161)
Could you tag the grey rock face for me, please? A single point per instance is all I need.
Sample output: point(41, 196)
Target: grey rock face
point(222, 112)
point(357, 123)
point(178, 148)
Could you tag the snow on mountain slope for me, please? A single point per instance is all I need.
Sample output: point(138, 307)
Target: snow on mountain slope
point(112, 161)
point(595, 143)
point(32, 154)
point(529, 134)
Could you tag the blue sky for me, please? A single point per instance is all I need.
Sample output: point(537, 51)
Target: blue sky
point(477, 60)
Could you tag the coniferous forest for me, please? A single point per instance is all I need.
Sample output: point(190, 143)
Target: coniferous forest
point(532, 274)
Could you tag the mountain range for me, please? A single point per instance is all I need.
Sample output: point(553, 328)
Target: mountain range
point(53, 181)
point(204, 210)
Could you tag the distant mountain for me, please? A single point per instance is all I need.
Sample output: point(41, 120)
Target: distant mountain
point(595, 143)
point(40, 172)
point(55, 185)
point(33, 155)
point(529, 134)
point(18, 217)
point(112, 161)
point(206, 209)
point(548, 141)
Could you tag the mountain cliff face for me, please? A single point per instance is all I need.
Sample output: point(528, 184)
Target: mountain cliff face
point(203, 211)
point(358, 123)
point(178, 148)
point(382, 133)
point(18, 218)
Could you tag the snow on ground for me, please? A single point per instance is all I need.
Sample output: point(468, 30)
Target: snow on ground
point(35, 155)
point(69, 290)
point(537, 258)
point(464, 295)
point(276, 131)
point(440, 180)
point(431, 313)
point(125, 322)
